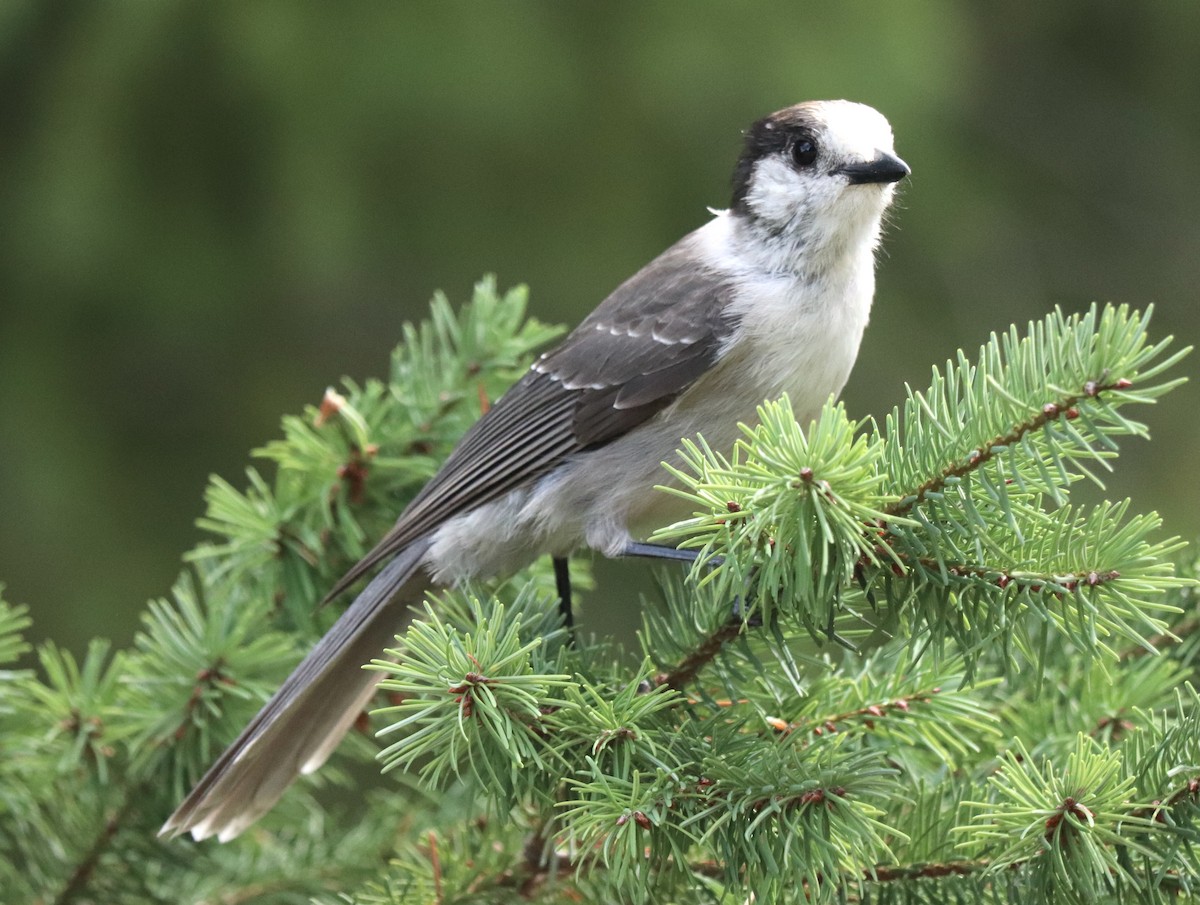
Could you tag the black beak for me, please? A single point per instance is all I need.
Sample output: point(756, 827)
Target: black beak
point(884, 168)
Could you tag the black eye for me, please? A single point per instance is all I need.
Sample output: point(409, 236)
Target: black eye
point(804, 152)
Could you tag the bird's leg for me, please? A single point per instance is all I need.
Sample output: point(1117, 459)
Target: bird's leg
point(660, 551)
point(748, 615)
point(562, 581)
point(673, 554)
point(860, 576)
point(562, 572)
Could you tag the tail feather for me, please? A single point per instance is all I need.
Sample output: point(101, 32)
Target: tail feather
point(304, 720)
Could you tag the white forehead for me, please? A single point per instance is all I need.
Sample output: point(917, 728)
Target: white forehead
point(854, 130)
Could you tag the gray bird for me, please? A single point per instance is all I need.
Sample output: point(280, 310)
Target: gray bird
point(770, 296)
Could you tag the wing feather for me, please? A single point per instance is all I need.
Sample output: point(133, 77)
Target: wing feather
point(630, 358)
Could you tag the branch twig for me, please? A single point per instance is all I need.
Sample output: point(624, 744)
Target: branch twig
point(1065, 407)
point(689, 667)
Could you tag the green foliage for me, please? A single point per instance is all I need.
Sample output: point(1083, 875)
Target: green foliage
point(343, 468)
point(13, 621)
point(767, 496)
point(200, 668)
point(475, 696)
point(953, 495)
point(907, 667)
point(1076, 847)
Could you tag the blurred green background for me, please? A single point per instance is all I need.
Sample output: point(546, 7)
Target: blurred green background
point(211, 211)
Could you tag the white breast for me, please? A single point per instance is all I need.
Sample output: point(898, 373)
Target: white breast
point(802, 309)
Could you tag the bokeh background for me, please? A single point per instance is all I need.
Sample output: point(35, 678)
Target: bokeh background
point(211, 211)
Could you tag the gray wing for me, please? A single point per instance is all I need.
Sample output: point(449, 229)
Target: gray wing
point(630, 358)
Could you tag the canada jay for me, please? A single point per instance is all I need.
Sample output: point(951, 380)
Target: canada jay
point(770, 296)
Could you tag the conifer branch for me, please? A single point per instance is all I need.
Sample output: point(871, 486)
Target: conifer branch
point(866, 715)
point(690, 667)
point(943, 546)
point(1064, 406)
point(77, 882)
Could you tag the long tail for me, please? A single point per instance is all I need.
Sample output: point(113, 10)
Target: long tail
point(303, 722)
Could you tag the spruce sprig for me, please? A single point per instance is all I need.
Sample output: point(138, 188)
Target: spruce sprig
point(1072, 826)
point(473, 699)
point(955, 513)
point(13, 621)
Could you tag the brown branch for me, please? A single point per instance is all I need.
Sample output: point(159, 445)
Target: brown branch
point(1174, 635)
point(532, 873)
point(436, 865)
point(689, 667)
point(1065, 407)
point(206, 680)
point(1068, 581)
point(892, 873)
point(531, 880)
point(880, 873)
point(82, 875)
point(1190, 789)
point(868, 714)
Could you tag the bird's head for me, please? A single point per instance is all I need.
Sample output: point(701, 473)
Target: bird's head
point(818, 171)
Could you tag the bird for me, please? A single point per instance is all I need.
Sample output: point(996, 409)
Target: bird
point(770, 296)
